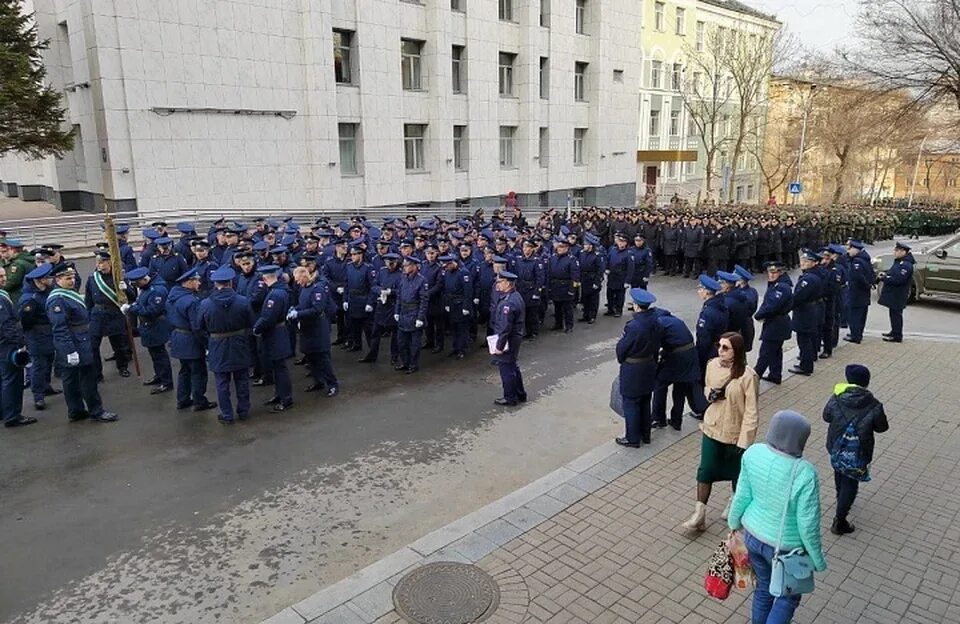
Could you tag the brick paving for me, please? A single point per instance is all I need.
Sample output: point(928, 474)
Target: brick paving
point(618, 555)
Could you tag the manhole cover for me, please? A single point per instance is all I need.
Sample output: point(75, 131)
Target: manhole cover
point(446, 593)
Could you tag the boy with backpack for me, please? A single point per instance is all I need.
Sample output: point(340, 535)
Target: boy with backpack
point(854, 415)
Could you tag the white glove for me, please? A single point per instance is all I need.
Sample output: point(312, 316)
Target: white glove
point(73, 359)
point(346, 306)
point(446, 308)
point(292, 314)
point(206, 353)
point(595, 287)
point(386, 292)
point(124, 307)
point(535, 297)
point(339, 290)
point(466, 312)
point(476, 302)
point(121, 285)
point(396, 317)
point(607, 272)
point(383, 297)
point(627, 286)
point(418, 324)
point(368, 308)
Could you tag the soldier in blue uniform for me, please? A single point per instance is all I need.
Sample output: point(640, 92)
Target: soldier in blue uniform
point(860, 281)
point(531, 279)
point(432, 272)
point(11, 375)
point(359, 299)
point(563, 279)
point(897, 282)
point(833, 282)
point(106, 319)
point(752, 299)
point(774, 313)
point(807, 312)
point(620, 268)
point(127, 257)
point(70, 324)
point(151, 308)
point(187, 343)
point(643, 262)
point(678, 368)
point(637, 352)
point(738, 314)
point(712, 323)
point(32, 308)
point(839, 262)
point(413, 297)
point(507, 324)
point(385, 291)
point(457, 299)
point(226, 318)
point(313, 312)
point(592, 268)
point(483, 289)
point(167, 265)
point(334, 272)
point(204, 264)
point(272, 328)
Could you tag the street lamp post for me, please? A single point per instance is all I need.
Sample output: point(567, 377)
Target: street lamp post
point(916, 171)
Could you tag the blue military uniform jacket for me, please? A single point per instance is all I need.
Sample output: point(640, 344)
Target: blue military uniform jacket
point(637, 352)
point(531, 279)
point(678, 357)
point(187, 342)
point(737, 310)
point(70, 324)
point(151, 307)
point(592, 267)
point(562, 272)
point(713, 321)
point(272, 324)
point(412, 300)
point(508, 322)
point(642, 265)
point(860, 280)
point(897, 282)
point(359, 289)
point(483, 288)
point(386, 303)
point(32, 308)
point(433, 274)
point(226, 318)
point(106, 319)
point(457, 295)
point(11, 333)
point(127, 257)
point(205, 268)
point(315, 308)
point(621, 265)
point(775, 310)
point(167, 268)
point(807, 302)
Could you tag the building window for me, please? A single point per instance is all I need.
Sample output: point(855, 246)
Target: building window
point(578, 197)
point(692, 129)
point(618, 76)
point(580, 17)
point(580, 82)
point(348, 148)
point(459, 56)
point(749, 191)
point(545, 13)
point(544, 78)
point(681, 21)
point(697, 80)
point(544, 146)
point(579, 153)
point(411, 52)
point(543, 199)
point(726, 125)
point(690, 167)
point(460, 153)
point(671, 169)
point(506, 10)
point(658, 11)
point(674, 123)
point(655, 70)
point(655, 123)
point(458, 5)
point(506, 73)
point(701, 30)
point(676, 76)
point(342, 56)
point(506, 146)
point(413, 147)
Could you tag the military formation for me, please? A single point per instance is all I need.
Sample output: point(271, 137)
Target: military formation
point(241, 300)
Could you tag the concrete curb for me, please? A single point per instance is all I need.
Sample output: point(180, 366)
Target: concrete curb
point(367, 595)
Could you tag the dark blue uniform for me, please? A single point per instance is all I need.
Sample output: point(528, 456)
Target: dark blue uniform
point(592, 268)
point(860, 280)
point(70, 324)
point(507, 323)
point(563, 277)
point(807, 312)
point(385, 291)
point(189, 345)
point(637, 352)
point(226, 318)
point(316, 307)
point(737, 309)
point(127, 257)
point(712, 323)
point(484, 295)
point(412, 300)
point(167, 268)
point(106, 320)
point(897, 282)
point(679, 368)
point(151, 307)
point(205, 268)
point(774, 312)
point(357, 298)
point(432, 272)
point(642, 266)
point(751, 298)
point(531, 279)
point(620, 263)
point(271, 326)
point(833, 282)
point(458, 307)
point(255, 290)
point(32, 308)
point(11, 375)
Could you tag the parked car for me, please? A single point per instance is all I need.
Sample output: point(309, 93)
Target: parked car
point(936, 272)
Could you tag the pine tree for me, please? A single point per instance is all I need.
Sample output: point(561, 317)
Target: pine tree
point(31, 118)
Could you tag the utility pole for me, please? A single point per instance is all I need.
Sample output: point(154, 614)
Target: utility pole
point(803, 139)
point(916, 171)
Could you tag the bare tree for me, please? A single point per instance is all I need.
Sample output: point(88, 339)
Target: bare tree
point(776, 146)
point(910, 44)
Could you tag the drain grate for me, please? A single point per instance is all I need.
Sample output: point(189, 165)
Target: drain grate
point(446, 592)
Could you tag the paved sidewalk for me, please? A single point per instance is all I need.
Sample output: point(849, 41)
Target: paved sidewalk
point(600, 546)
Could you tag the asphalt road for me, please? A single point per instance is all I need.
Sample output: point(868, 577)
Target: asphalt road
point(168, 516)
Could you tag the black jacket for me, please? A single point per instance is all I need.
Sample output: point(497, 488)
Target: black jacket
point(858, 405)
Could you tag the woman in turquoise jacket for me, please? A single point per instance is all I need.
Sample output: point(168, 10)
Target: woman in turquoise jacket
point(763, 492)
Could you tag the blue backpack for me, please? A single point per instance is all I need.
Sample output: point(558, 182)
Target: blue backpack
point(845, 456)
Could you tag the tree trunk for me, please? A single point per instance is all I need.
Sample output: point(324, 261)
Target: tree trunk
point(841, 173)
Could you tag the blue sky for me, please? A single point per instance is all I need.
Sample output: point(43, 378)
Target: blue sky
point(821, 24)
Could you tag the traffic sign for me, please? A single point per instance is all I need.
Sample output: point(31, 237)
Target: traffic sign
point(796, 188)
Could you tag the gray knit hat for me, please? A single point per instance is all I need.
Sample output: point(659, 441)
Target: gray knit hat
point(788, 432)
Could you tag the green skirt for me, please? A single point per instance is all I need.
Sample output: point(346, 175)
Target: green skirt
point(718, 461)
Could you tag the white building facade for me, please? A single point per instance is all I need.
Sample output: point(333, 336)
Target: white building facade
point(339, 104)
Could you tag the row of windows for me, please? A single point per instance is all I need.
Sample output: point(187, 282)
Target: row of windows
point(414, 147)
point(507, 13)
point(411, 68)
point(679, 23)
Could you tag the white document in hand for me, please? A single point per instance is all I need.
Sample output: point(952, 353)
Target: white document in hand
point(492, 345)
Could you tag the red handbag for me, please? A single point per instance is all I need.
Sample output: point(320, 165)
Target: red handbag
point(719, 577)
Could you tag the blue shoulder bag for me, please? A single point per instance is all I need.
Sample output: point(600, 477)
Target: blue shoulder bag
point(792, 571)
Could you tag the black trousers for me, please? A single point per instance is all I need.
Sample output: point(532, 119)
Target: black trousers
point(563, 314)
point(591, 303)
point(379, 331)
point(615, 298)
point(896, 323)
point(691, 265)
point(847, 489)
point(770, 357)
point(321, 368)
point(532, 318)
point(121, 348)
point(683, 393)
point(357, 329)
point(162, 369)
point(80, 390)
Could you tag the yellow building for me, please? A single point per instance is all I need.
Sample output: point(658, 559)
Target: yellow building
point(937, 175)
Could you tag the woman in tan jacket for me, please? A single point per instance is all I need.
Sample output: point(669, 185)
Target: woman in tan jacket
point(729, 425)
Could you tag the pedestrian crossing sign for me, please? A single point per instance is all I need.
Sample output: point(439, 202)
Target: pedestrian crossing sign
point(796, 188)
